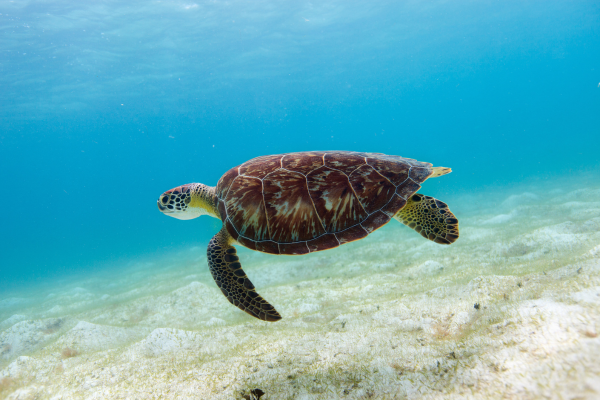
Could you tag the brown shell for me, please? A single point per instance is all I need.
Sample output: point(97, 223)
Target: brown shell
point(297, 203)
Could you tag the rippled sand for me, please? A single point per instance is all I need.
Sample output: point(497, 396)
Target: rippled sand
point(512, 310)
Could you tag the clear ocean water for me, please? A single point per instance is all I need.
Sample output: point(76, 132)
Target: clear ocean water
point(106, 104)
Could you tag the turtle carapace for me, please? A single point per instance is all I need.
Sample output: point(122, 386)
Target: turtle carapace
point(298, 203)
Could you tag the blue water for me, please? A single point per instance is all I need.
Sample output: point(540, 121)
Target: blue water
point(105, 105)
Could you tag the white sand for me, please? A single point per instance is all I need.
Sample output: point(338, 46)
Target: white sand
point(389, 317)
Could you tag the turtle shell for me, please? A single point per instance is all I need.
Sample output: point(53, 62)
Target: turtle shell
point(297, 203)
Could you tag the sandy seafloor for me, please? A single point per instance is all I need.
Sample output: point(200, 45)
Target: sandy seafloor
point(390, 317)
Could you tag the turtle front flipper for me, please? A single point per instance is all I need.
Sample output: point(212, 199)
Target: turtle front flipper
point(430, 217)
point(232, 280)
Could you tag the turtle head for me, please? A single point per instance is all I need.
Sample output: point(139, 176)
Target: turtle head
point(188, 201)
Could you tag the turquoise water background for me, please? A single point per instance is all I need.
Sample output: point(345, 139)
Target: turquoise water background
point(106, 104)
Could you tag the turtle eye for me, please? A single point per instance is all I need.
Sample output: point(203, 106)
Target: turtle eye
point(187, 200)
point(165, 200)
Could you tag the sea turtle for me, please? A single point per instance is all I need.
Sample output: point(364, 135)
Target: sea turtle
point(299, 203)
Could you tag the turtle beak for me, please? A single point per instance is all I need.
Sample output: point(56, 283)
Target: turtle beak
point(163, 203)
point(179, 203)
point(161, 207)
point(174, 203)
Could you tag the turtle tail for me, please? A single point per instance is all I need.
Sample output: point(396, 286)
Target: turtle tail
point(439, 171)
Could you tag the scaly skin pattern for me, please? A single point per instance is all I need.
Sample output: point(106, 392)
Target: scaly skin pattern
point(431, 218)
point(189, 201)
point(232, 280)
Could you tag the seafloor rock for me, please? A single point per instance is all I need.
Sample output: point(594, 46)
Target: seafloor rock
point(511, 310)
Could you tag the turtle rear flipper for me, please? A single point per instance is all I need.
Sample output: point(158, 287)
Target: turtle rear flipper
point(431, 218)
point(232, 280)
